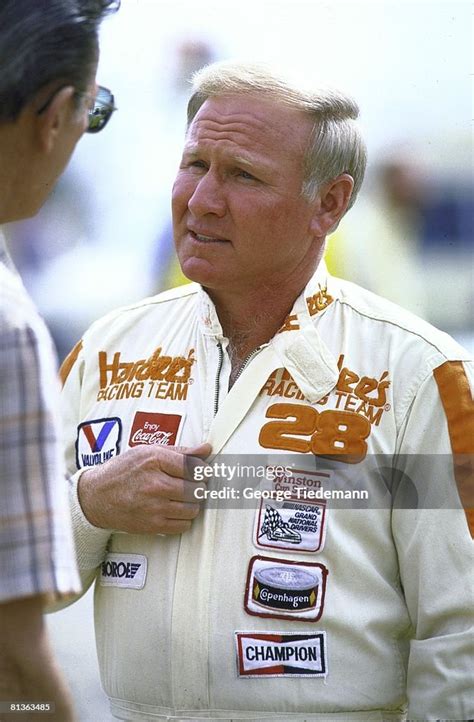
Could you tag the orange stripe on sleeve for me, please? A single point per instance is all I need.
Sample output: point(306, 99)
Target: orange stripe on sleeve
point(69, 362)
point(458, 404)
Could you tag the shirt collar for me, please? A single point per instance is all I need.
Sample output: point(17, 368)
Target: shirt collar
point(298, 345)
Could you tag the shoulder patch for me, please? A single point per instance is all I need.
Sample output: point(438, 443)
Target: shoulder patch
point(458, 404)
point(69, 362)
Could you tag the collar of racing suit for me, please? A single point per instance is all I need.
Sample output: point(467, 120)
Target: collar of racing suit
point(297, 347)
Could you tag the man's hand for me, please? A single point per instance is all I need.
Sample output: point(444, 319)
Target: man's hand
point(146, 490)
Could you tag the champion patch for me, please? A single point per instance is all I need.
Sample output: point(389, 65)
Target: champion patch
point(277, 654)
point(123, 570)
point(148, 428)
point(97, 441)
point(291, 525)
point(285, 589)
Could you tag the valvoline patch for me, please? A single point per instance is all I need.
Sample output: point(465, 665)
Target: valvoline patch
point(98, 440)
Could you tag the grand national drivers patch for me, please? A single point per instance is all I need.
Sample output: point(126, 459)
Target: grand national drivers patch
point(295, 523)
point(97, 441)
point(123, 570)
point(285, 589)
point(276, 654)
point(152, 428)
point(292, 525)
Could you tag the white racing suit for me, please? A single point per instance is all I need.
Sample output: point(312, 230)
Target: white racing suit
point(295, 608)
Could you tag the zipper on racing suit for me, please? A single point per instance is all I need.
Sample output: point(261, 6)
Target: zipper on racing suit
point(219, 369)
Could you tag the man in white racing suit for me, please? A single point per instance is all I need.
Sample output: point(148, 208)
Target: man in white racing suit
point(272, 601)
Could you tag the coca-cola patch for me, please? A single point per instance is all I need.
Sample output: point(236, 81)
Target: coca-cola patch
point(148, 428)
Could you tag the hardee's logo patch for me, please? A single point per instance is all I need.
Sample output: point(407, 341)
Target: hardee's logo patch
point(148, 428)
point(354, 392)
point(276, 654)
point(157, 377)
point(97, 441)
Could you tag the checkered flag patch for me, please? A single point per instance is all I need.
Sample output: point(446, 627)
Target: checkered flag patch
point(272, 520)
point(276, 529)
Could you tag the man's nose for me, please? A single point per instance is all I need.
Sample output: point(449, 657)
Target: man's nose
point(208, 196)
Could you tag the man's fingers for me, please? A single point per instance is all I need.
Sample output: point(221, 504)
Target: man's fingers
point(194, 460)
point(203, 450)
point(177, 510)
point(193, 491)
point(178, 461)
point(180, 490)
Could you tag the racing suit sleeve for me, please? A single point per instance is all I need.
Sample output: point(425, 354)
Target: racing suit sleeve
point(434, 544)
point(90, 541)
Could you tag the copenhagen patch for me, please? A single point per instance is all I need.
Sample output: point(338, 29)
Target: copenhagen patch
point(98, 440)
point(123, 570)
point(277, 654)
point(148, 428)
point(291, 525)
point(285, 589)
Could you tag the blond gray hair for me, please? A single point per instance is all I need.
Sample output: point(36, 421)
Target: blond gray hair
point(336, 145)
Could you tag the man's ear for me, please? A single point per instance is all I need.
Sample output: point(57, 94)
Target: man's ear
point(51, 121)
point(331, 203)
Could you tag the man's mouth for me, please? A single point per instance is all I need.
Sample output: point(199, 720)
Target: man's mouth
point(207, 239)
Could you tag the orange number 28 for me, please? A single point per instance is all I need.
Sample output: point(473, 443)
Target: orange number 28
point(302, 429)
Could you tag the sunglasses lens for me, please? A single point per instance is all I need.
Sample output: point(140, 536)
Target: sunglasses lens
point(101, 112)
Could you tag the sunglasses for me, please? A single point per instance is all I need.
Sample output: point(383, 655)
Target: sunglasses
point(100, 112)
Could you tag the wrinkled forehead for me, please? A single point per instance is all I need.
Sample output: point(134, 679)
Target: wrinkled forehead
point(250, 120)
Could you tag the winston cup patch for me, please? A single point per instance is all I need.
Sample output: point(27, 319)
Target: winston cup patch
point(97, 441)
point(284, 589)
point(123, 570)
point(277, 654)
point(295, 525)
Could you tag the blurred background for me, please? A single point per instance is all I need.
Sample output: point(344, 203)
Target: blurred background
point(103, 239)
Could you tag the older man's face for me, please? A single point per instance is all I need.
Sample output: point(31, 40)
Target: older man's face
point(239, 218)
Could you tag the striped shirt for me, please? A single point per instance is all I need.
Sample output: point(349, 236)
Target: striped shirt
point(36, 548)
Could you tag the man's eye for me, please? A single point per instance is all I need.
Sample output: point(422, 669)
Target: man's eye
point(192, 164)
point(246, 175)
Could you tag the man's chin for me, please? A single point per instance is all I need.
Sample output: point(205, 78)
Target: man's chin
point(200, 271)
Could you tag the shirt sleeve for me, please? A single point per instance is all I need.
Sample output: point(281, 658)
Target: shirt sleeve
point(434, 545)
point(91, 541)
point(36, 548)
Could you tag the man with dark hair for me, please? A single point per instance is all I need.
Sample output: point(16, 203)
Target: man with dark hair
point(48, 98)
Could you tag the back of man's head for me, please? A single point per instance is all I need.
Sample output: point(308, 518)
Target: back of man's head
point(43, 42)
